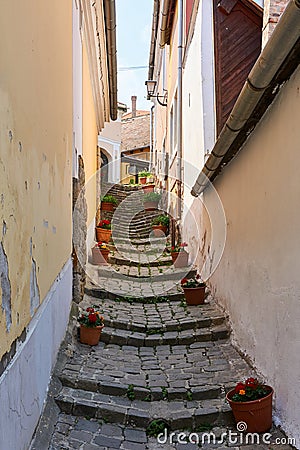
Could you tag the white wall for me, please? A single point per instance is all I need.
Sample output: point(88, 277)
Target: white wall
point(24, 384)
point(257, 280)
point(198, 117)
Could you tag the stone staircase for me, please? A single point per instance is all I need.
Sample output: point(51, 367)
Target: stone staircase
point(163, 360)
point(160, 365)
point(129, 218)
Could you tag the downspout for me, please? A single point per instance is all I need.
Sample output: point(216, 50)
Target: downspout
point(110, 27)
point(280, 44)
point(179, 107)
point(151, 137)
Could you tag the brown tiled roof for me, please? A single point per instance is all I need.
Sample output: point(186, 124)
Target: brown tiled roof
point(135, 132)
point(139, 112)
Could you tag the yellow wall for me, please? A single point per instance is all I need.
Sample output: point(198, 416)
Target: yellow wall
point(90, 139)
point(35, 148)
point(257, 279)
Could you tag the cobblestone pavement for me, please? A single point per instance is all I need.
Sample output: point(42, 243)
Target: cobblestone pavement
point(158, 359)
point(89, 434)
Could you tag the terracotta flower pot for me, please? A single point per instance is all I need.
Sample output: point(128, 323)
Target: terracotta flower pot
point(148, 188)
point(90, 335)
point(180, 259)
point(103, 235)
point(159, 230)
point(105, 206)
point(143, 180)
point(257, 414)
point(194, 296)
point(100, 256)
point(150, 206)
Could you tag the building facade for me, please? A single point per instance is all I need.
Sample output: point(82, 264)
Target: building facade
point(50, 117)
point(229, 154)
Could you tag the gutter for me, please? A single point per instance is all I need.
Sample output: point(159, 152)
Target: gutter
point(153, 39)
point(164, 23)
point(110, 29)
point(274, 66)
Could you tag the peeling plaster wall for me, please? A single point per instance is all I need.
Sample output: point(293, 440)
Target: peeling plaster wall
point(23, 386)
point(35, 156)
point(257, 280)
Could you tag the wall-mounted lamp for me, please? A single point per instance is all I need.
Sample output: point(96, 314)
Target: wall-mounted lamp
point(151, 86)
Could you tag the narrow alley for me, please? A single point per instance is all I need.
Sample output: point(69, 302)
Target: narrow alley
point(161, 366)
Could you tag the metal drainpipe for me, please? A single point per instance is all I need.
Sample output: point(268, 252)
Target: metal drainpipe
point(179, 107)
point(151, 137)
point(110, 22)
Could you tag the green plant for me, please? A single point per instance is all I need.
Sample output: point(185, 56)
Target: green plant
point(161, 220)
point(164, 393)
point(91, 318)
point(109, 199)
point(144, 174)
point(147, 398)
point(204, 427)
point(156, 427)
point(250, 390)
point(193, 282)
point(152, 197)
point(130, 392)
point(131, 181)
point(189, 396)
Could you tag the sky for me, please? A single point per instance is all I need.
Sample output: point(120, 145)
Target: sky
point(134, 21)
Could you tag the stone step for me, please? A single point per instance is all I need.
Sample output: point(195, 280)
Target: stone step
point(101, 293)
point(146, 274)
point(140, 260)
point(140, 393)
point(137, 413)
point(185, 337)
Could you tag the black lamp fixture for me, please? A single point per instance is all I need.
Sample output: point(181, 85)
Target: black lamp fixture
point(151, 86)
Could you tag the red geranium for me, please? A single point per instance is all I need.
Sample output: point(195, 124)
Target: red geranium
point(90, 310)
point(92, 317)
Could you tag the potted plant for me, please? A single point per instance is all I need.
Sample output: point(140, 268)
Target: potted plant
point(100, 253)
point(91, 325)
point(148, 188)
point(103, 231)
point(179, 256)
point(151, 201)
point(143, 177)
point(108, 202)
point(251, 403)
point(194, 290)
point(160, 224)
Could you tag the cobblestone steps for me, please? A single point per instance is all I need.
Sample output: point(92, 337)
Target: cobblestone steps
point(137, 413)
point(184, 337)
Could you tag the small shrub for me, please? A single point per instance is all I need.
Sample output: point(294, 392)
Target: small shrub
point(156, 427)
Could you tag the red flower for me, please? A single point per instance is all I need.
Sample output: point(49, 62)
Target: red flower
point(90, 310)
point(172, 248)
point(184, 280)
point(239, 387)
point(93, 317)
point(252, 382)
